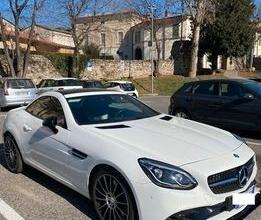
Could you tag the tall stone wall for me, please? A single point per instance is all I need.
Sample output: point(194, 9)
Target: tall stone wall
point(113, 69)
point(39, 68)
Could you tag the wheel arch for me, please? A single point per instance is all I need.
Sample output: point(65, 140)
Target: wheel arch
point(116, 169)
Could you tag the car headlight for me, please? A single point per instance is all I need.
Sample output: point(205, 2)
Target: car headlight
point(240, 138)
point(166, 175)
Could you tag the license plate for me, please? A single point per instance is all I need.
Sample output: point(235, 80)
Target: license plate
point(247, 196)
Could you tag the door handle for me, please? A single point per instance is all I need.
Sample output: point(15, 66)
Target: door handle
point(27, 128)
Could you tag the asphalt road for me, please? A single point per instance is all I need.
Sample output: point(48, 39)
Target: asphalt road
point(33, 195)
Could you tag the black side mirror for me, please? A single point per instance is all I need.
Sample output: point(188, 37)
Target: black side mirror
point(51, 123)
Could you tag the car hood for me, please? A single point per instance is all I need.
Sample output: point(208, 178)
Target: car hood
point(176, 141)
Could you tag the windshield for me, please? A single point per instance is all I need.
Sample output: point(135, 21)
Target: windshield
point(98, 109)
point(127, 87)
point(20, 84)
point(254, 86)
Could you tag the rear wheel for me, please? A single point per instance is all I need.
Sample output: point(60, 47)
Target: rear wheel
point(181, 114)
point(3, 109)
point(111, 196)
point(13, 158)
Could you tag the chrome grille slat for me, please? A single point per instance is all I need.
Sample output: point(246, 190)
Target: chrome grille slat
point(228, 181)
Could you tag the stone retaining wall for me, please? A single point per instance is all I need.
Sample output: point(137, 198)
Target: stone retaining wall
point(39, 68)
point(115, 69)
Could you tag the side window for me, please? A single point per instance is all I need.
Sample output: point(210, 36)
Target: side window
point(46, 107)
point(107, 85)
point(231, 90)
point(207, 88)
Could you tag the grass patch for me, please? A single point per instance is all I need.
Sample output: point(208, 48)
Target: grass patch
point(167, 85)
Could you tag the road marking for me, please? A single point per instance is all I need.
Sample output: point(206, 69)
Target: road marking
point(253, 143)
point(8, 212)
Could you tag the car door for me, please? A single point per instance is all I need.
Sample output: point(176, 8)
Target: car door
point(43, 147)
point(206, 101)
point(239, 109)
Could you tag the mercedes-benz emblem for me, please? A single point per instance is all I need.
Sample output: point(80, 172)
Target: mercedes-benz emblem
point(243, 176)
point(235, 155)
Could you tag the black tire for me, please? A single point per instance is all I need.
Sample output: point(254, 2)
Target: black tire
point(3, 109)
point(12, 155)
point(112, 197)
point(181, 114)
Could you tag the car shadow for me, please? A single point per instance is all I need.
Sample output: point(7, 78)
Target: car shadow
point(78, 201)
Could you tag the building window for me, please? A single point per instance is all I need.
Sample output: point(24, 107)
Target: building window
point(103, 39)
point(137, 37)
point(120, 37)
point(175, 31)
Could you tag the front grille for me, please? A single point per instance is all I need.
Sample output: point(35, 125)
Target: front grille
point(231, 180)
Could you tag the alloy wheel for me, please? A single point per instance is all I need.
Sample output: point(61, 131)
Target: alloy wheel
point(181, 114)
point(10, 153)
point(110, 198)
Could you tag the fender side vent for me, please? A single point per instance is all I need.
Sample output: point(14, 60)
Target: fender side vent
point(113, 127)
point(166, 118)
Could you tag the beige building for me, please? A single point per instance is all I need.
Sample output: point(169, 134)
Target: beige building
point(169, 31)
point(126, 35)
point(257, 45)
point(110, 32)
point(54, 35)
point(45, 39)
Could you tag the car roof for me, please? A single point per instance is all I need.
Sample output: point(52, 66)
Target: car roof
point(80, 91)
point(238, 80)
point(57, 79)
point(119, 81)
point(89, 80)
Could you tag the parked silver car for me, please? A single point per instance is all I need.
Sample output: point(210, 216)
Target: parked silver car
point(15, 91)
point(59, 84)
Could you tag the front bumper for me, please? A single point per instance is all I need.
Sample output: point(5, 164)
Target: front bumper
point(156, 203)
point(213, 212)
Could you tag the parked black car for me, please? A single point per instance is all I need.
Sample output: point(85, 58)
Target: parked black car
point(91, 84)
point(232, 104)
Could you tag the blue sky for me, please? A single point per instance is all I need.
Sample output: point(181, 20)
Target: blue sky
point(50, 15)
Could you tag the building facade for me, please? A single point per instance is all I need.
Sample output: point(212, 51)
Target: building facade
point(168, 31)
point(127, 35)
point(110, 32)
point(45, 39)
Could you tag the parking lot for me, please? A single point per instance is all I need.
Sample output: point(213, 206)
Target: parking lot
point(33, 195)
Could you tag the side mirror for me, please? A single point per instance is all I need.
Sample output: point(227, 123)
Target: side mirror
point(248, 96)
point(51, 123)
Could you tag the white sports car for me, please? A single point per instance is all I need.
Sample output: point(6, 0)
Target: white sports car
point(133, 162)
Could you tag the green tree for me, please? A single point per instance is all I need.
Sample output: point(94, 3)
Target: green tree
point(231, 34)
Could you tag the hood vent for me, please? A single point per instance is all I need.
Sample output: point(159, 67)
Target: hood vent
point(113, 127)
point(166, 118)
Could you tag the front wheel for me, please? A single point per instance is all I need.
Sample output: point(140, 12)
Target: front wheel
point(181, 114)
point(112, 197)
point(13, 158)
